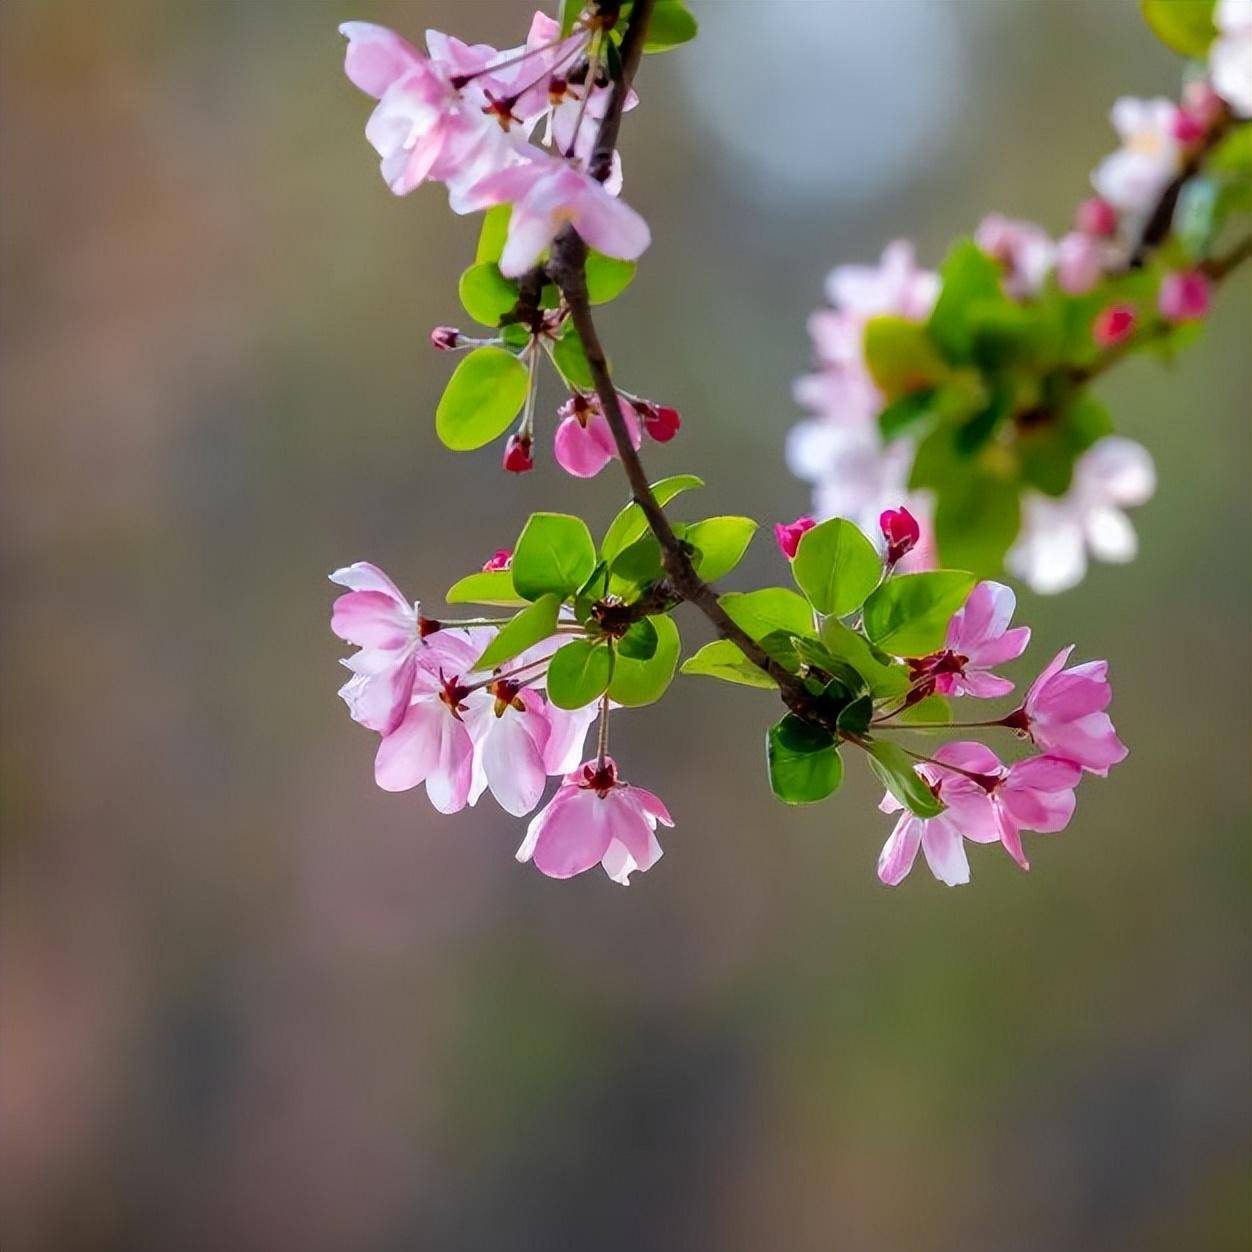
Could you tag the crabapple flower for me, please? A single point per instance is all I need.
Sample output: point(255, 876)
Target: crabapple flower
point(1113, 325)
point(901, 532)
point(788, 535)
point(1064, 714)
point(1184, 296)
point(390, 633)
point(500, 559)
point(508, 725)
point(584, 444)
point(1230, 56)
point(595, 817)
point(1024, 250)
point(1133, 178)
point(968, 815)
point(546, 193)
point(434, 119)
point(1050, 554)
point(978, 638)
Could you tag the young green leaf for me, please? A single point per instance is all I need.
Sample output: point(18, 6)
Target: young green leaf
point(977, 517)
point(901, 356)
point(637, 682)
point(721, 659)
point(895, 771)
point(930, 712)
point(672, 24)
point(554, 553)
point(639, 642)
point(607, 277)
point(486, 294)
point(630, 523)
point(721, 543)
point(1186, 26)
point(579, 673)
point(482, 397)
point(571, 360)
point(909, 614)
point(487, 587)
point(529, 627)
point(970, 279)
point(769, 609)
point(636, 565)
point(804, 764)
point(836, 566)
point(494, 232)
point(883, 676)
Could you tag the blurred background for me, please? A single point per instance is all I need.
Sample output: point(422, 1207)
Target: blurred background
point(249, 1001)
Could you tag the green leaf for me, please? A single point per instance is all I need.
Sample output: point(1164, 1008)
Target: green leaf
point(578, 673)
point(487, 587)
point(672, 24)
point(571, 360)
point(554, 553)
point(854, 718)
point(1186, 26)
point(486, 294)
point(482, 397)
point(638, 682)
point(567, 15)
point(969, 278)
point(607, 277)
point(885, 678)
point(762, 612)
point(901, 356)
point(721, 659)
point(895, 771)
point(637, 565)
point(902, 416)
point(721, 542)
point(836, 566)
point(804, 764)
point(639, 642)
point(532, 625)
point(493, 234)
point(932, 711)
point(630, 523)
point(977, 517)
point(908, 615)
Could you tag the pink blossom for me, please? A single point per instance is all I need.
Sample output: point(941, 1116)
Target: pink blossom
point(1025, 250)
point(509, 727)
point(1079, 262)
point(546, 193)
point(1114, 325)
point(584, 444)
point(1133, 178)
point(501, 558)
point(1096, 216)
point(895, 285)
point(978, 638)
point(901, 532)
point(595, 817)
point(433, 119)
point(1230, 56)
point(390, 633)
point(788, 535)
point(1064, 714)
point(1185, 296)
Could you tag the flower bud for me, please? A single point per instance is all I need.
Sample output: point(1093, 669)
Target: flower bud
point(788, 536)
point(1188, 128)
point(1096, 216)
point(445, 338)
point(517, 458)
point(1078, 263)
point(900, 529)
point(1184, 296)
point(660, 421)
point(502, 558)
point(1201, 101)
point(1113, 325)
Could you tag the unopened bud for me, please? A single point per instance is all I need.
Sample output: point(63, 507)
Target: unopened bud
point(788, 535)
point(1184, 296)
point(517, 458)
point(1096, 217)
point(1113, 325)
point(502, 558)
point(1188, 128)
point(445, 338)
point(660, 421)
point(900, 529)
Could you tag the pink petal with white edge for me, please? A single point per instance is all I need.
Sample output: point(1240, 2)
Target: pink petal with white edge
point(629, 825)
point(945, 851)
point(1092, 742)
point(1043, 811)
point(512, 760)
point(980, 684)
point(376, 57)
point(410, 752)
point(373, 619)
point(583, 450)
point(609, 225)
point(900, 851)
point(567, 733)
point(1054, 666)
point(380, 700)
point(572, 834)
point(448, 784)
point(970, 755)
point(362, 576)
point(650, 804)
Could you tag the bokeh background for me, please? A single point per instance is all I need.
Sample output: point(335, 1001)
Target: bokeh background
point(251, 1002)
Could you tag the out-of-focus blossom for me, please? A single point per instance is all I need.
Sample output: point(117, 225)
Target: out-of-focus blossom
point(1080, 260)
point(1096, 216)
point(978, 638)
point(895, 285)
point(1025, 251)
point(1050, 554)
point(584, 444)
point(547, 193)
point(1113, 325)
point(1230, 57)
point(1185, 296)
point(788, 535)
point(1064, 714)
point(900, 531)
point(1133, 178)
point(596, 818)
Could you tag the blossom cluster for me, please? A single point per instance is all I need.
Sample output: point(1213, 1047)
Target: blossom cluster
point(963, 392)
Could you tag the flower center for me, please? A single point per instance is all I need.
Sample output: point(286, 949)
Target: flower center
point(600, 778)
point(453, 694)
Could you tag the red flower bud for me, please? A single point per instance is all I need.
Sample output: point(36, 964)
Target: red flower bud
point(445, 338)
point(1096, 217)
point(900, 529)
point(502, 558)
point(788, 535)
point(1113, 325)
point(517, 454)
point(1185, 296)
point(1189, 128)
point(660, 421)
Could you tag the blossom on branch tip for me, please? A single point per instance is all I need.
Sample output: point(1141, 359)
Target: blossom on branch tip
point(1133, 178)
point(584, 443)
point(595, 818)
point(788, 535)
point(546, 194)
point(1025, 251)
